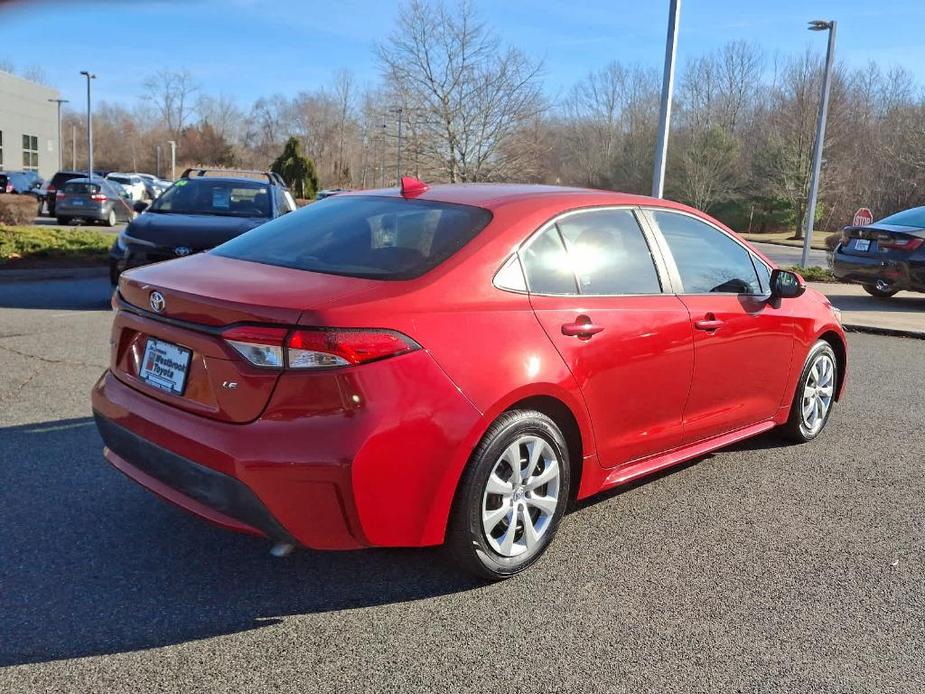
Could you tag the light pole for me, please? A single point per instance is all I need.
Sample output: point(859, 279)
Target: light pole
point(60, 144)
point(661, 151)
point(73, 148)
point(818, 25)
point(398, 165)
point(157, 149)
point(173, 159)
point(89, 76)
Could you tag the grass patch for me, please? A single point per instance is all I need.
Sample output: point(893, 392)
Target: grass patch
point(813, 273)
point(785, 238)
point(32, 246)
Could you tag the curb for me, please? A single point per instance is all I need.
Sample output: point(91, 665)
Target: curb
point(785, 245)
point(890, 332)
point(52, 273)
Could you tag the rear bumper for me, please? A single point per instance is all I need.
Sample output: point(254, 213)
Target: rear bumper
point(377, 466)
point(868, 270)
point(82, 213)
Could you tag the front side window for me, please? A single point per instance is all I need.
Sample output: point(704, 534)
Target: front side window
point(708, 260)
point(30, 153)
point(362, 236)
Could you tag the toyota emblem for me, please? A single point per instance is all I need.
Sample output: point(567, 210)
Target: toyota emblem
point(157, 301)
point(182, 251)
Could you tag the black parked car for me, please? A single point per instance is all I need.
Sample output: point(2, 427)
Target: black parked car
point(886, 256)
point(92, 200)
point(201, 210)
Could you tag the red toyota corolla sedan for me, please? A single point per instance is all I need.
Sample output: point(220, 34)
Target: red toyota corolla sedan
point(451, 365)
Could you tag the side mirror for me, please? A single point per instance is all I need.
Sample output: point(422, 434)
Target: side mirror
point(140, 206)
point(786, 284)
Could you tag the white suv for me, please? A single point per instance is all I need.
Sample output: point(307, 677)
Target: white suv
point(131, 184)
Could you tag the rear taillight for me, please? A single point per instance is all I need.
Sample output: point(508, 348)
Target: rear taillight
point(59, 194)
point(9, 187)
point(51, 188)
point(99, 197)
point(310, 349)
point(315, 348)
point(897, 244)
point(261, 346)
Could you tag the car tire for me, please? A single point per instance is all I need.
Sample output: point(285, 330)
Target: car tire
point(519, 471)
point(880, 293)
point(63, 221)
point(814, 398)
point(111, 219)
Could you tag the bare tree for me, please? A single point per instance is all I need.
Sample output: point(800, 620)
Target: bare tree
point(473, 93)
point(171, 95)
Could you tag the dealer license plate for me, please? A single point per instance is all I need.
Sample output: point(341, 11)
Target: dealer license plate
point(862, 244)
point(165, 366)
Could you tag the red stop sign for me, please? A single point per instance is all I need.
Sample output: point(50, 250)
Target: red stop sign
point(862, 217)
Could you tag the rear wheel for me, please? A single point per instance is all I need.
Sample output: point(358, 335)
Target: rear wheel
point(63, 221)
point(881, 290)
point(512, 496)
point(111, 219)
point(815, 395)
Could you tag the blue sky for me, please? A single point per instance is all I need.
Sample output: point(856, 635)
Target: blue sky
point(252, 48)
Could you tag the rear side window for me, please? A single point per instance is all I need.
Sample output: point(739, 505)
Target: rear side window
point(360, 236)
point(707, 259)
point(547, 265)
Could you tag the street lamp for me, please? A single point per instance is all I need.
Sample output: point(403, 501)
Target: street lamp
point(661, 151)
point(818, 25)
point(173, 159)
point(89, 76)
point(60, 148)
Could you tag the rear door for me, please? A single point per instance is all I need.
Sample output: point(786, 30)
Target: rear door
point(596, 290)
point(743, 343)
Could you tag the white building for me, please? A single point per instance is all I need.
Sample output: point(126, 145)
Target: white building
point(28, 126)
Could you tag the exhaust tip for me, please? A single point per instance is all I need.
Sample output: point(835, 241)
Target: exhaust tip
point(282, 549)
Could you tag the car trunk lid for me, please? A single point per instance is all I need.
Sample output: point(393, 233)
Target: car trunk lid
point(881, 240)
point(167, 336)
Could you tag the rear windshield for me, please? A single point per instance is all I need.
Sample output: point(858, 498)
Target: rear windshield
point(214, 197)
point(120, 179)
point(81, 188)
point(910, 218)
point(374, 237)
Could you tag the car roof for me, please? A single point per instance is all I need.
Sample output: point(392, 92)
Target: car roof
point(228, 179)
point(493, 195)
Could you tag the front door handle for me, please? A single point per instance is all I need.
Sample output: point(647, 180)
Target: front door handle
point(709, 323)
point(582, 327)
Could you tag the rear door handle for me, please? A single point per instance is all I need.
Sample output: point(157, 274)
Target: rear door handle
point(582, 327)
point(710, 323)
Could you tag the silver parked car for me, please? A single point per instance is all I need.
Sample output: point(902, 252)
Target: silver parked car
point(93, 200)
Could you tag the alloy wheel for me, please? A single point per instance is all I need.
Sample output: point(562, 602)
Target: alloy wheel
point(521, 496)
point(818, 392)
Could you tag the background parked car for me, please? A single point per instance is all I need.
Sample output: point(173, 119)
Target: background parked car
point(130, 183)
point(886, 256)
point(57, 181)
point(22, 183)
point(92, 200)
point(154, 185)
point(201, 210)
point(328, 192)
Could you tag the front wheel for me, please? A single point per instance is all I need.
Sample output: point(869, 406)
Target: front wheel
point(815, 395)
point(512, 496)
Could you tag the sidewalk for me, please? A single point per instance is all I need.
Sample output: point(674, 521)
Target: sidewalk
point(903, 314)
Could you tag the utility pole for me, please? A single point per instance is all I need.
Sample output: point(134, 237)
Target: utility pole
point(173, 159)
point(157, 149)
point(73, 148)
point(830, 26)
point(89, 76)
point(60, 143)
point(383, 126)
point(661, 152)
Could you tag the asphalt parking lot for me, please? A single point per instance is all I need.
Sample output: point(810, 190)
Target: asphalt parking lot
point(761, 568)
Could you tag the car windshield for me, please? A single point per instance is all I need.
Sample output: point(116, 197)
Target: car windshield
point(909, 218)
point(362, 236)
point(215, 197)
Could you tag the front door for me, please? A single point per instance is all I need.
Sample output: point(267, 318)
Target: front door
point(595, 290)
point(743, 343)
